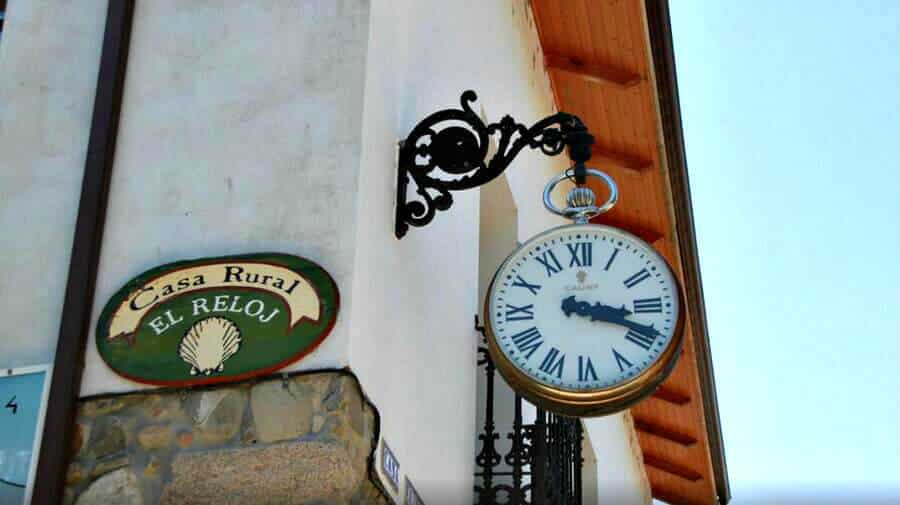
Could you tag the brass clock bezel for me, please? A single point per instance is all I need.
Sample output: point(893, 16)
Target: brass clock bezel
point(598, 402)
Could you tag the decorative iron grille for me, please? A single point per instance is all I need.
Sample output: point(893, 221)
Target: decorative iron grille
point(543, 465)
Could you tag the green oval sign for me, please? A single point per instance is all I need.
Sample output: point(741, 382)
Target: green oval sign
point(217, 320)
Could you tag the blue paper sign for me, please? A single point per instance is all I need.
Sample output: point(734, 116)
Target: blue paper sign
point(22, 402)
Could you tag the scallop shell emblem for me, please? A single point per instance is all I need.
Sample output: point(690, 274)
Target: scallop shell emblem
point(208, 344)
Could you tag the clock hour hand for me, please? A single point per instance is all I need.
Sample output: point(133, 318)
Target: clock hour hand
point(605, 313)
point(597, 311)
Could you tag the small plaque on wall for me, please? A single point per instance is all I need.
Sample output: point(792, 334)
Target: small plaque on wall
point(412, 496)
point(217, 320)
point(23, 399)
point(390, 466)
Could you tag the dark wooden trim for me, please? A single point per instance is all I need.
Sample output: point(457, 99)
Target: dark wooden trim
point(68, 364)
point(663, 51)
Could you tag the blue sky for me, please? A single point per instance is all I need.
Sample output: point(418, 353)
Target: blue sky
point(792, 124)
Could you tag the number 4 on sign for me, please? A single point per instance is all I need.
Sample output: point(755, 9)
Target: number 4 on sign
point(12, 405)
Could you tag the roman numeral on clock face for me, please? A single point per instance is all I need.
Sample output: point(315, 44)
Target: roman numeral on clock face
point(581, 254)
point(637, 278)
point(551, 365)
point(586, 370)
point(640, 339)
point(522, 283)
point(620, 360)
point(528, 341)
point(514, 313)
point(647, 305)
point(612, 257)
point(548, 259)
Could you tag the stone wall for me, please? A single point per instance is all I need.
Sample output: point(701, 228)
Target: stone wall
point(291, 440)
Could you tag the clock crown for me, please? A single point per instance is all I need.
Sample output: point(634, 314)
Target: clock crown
point(581, 197)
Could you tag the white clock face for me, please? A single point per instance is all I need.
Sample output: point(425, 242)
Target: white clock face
point(584, 307)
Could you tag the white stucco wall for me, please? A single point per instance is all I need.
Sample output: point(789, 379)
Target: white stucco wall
point(412, 334)
point(240, 132)
point(253, 126)
point(413, 342)
point(621, 478)
point(49, 58)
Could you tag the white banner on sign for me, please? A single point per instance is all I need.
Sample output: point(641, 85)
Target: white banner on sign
point(23, 402)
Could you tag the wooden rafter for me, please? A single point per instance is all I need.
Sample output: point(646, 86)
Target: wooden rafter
point(656, 429)
point(641, 147)
point(593, 72)
point(662, 494)
point(601, 156)
point(672, 468)
point(671, 396)
point(649, 235)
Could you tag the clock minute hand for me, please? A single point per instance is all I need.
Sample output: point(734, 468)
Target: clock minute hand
point(640, 328)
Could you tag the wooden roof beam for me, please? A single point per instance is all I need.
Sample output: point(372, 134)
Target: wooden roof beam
point(650, 427)
point(626, 161)
point(670, 497)
point(648, 235)
point(671, 468)
point(593, 72)
point(671, 396)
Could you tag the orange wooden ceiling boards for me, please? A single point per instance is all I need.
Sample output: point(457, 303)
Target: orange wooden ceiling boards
point(611, 62)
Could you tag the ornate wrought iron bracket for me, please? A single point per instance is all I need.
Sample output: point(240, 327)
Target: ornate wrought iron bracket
point(448, 150)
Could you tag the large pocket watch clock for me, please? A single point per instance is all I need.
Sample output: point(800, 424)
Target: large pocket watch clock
point(584, 319)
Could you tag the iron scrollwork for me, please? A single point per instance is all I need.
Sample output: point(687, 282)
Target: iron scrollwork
point(448, 150)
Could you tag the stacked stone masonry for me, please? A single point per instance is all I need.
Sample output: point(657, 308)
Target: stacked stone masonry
point(304, 439)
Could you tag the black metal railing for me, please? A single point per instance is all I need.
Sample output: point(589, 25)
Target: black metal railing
point(543, 464)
